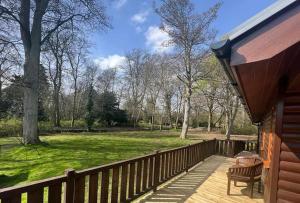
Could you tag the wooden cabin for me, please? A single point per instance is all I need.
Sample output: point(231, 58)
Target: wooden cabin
point(262, 60)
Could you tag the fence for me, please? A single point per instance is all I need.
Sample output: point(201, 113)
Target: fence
point(122, 181)
point(230, 148)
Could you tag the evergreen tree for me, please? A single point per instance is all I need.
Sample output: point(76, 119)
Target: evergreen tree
point(108, 111)
point(13, 98)
point(43, 94)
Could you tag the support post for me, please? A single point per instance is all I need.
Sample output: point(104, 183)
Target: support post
point(258, 138)
point(215, 146)
point(156, 170)
point(233, 150)
point(187, 158)
point(69, 189)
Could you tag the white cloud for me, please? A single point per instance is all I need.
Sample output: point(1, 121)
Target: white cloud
point(140, 17)
point(111, 61)
point(120, 3)
point(157, 40)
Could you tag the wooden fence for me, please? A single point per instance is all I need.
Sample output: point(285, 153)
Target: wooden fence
point(230, 148)
point(251, 146)
point(122, 181)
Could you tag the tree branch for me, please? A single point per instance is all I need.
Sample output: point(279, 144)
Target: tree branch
point(59, 23)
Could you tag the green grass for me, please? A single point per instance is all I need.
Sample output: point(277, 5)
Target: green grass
point(21, 164)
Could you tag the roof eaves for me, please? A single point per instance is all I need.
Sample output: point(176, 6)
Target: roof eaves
point(260, 18)
point(222, 49)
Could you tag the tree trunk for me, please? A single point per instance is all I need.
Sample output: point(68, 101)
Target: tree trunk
point(178, 113)
point(56, 107)
point(0, 85)
point(168, 108)
point(161, 123)
point(244, 118)
point(176, 121)
point(218, 121)
point(230, 117)
point(152, 122)
point(30, 118)
point(187, 109)
point(32, 46)
point(74, 106)
point(209, 121)
point(228, 126)
point(137, 118)
point(170, 119)
point(57, 86)
point(152, 115)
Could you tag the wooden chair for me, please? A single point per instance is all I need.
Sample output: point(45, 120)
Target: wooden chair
point(247, 170)
point(247, 160)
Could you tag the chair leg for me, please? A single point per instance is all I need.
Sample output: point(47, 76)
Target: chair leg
point(251, 189)
point(235, 183)
point(259, 186)
point(228, 186)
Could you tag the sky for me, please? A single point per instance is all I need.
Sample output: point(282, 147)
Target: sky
point(135, 25)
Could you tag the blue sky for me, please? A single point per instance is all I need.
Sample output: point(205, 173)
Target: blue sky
point(135, 25)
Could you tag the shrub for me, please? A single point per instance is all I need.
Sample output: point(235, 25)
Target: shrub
point(108, 111)
point(242, 130)
point(10, 127)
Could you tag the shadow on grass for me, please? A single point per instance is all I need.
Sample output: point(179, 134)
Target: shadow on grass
point(12, 180)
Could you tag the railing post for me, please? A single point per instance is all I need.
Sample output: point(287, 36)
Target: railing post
point(233, 150)
point(69, 189)
point(215, 144)
point(226, 148)
point(187, 158)
point(156, 170)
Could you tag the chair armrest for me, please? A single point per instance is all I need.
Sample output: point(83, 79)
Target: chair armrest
point(246, 160)
point(245, 171)
point(242, 159)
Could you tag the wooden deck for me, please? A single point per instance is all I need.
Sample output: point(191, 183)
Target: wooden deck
point(206, 183)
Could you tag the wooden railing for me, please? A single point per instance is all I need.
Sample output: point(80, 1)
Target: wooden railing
point(251, 146)
point(230, 148)
point(122, 181)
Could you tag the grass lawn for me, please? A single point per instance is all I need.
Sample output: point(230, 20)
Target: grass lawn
point(21, 164)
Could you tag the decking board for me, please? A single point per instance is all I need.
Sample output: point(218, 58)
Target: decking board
point(206, 183)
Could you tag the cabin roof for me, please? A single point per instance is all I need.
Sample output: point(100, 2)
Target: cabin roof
point(252, 45)
point(259, 19)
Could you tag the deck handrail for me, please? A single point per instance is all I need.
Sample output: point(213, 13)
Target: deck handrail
point(125, 180)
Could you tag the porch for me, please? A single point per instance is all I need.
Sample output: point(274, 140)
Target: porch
point(206, 182)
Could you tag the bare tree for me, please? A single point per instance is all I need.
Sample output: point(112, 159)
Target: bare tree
point(106, 80)
point(211, 87)
point(9, 62)
point(191, 33)
point(230, 103)
point(210, 97)
point(178, 97)
point(90, 74)
point(76, 54)
point(136, 80)
point(168, 85)
point(58, 45)
point(154, 73)
point(37, 21)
